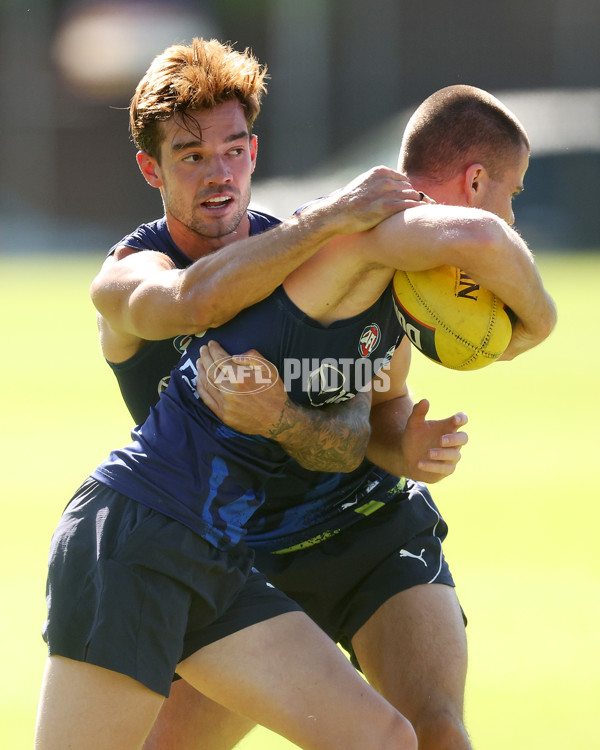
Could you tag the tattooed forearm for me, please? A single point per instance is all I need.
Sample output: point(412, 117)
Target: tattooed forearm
point(333, 438)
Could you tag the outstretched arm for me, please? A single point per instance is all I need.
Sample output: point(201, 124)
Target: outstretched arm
point(333, 438)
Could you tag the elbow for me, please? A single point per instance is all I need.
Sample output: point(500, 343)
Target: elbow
point(356, 452)
point(98, 294)
point(353, 451)
point(348, 464)
point(351, 464)
point(339, 464)
point(541, 318)
point(201, 309)
point(341, 455)
point(549, 318)
point(210, 307)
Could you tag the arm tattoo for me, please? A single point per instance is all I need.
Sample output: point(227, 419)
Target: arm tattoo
point(333, 438)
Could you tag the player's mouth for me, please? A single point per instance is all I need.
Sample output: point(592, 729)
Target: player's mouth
point(217, 203)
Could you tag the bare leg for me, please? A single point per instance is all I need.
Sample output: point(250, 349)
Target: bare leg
point(413, 650)
point(286, 674)
point(189, 720)
point(84, 706)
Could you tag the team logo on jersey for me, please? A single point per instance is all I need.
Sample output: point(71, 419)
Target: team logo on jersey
point(163, 383)
point(181, 343)
point(369, 340)
point(326, 385)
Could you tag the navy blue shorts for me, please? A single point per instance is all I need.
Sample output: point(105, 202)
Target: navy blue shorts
point(134, 591)
point(341, 581)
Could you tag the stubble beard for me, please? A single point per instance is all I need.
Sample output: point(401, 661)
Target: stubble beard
point(219, 227)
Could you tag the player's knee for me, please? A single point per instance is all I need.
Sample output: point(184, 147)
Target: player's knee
point(442, 732)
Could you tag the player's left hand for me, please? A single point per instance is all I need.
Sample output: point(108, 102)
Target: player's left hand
point(243, 390)
point(432, 448)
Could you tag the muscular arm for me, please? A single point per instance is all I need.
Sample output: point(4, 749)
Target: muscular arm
point(476, 241)
point(332, 438)
point(392, 432)
point(483, 246)
point(141, 296)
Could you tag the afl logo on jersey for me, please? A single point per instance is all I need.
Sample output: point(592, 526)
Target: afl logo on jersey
point(369, 340)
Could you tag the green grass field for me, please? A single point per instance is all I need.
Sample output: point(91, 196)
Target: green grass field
point(523, 508)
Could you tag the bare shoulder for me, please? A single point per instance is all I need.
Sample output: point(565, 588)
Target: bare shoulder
point(121, 276)
point(126, 261)
point(123, 271)
point(338, 282)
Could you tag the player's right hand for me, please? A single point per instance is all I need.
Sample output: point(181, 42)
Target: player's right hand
point(244, 391)
point(369, 199)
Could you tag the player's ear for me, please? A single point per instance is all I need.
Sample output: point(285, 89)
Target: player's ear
point(474, 184)
point(149, 168)
point(253, 150)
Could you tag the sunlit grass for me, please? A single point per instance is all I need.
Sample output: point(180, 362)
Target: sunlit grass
point(522, 508)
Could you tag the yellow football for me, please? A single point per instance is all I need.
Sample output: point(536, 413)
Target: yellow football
point(450, 318)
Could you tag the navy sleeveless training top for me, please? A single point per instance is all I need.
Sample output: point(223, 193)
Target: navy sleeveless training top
point(141, 378)
point(187, 464)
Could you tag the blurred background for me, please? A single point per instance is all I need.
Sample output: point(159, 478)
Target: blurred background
point(345, 75)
